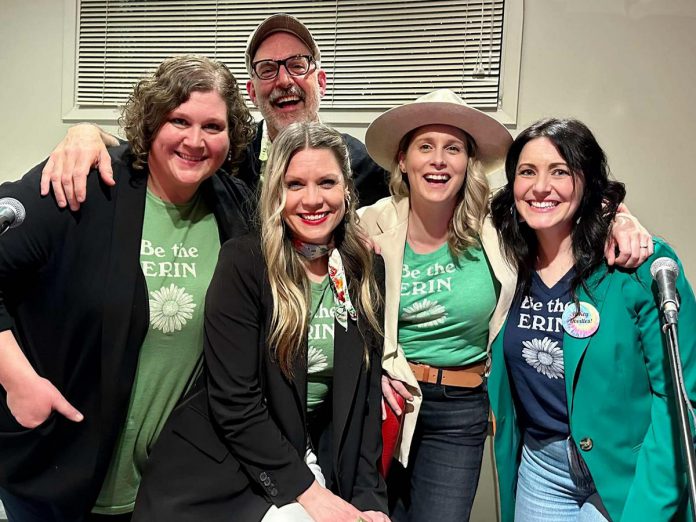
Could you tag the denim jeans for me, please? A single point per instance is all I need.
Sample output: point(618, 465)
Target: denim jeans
point(554, 484)
point(445, 463)
point(20, 509)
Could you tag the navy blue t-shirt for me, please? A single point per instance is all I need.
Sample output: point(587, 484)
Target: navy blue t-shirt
point(533, 347)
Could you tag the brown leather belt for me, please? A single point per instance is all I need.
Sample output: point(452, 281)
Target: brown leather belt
point(463, 376)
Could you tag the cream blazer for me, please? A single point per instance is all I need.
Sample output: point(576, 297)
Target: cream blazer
point(386, 222)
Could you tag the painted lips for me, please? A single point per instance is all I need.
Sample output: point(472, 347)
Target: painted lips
point(314, 219)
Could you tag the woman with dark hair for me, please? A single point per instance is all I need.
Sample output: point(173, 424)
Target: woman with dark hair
point(101, 324)
point(289, 426)
point(580, 385)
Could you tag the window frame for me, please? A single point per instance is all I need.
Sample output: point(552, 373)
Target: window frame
point(507, 99)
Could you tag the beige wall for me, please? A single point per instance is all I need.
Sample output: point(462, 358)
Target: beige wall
point(625, 67)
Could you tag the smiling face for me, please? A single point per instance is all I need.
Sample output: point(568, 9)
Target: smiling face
point(286, 99)
point(547, 193)
point(315, 196)
point(189, 147)
point(435, 162)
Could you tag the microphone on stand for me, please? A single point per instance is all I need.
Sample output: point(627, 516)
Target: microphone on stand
point(12, 214)
point(665, 271)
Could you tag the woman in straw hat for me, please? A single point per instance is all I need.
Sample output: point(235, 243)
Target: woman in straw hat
point(447, 293)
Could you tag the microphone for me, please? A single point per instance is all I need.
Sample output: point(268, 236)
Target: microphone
point(12, 214)
point(664, 271)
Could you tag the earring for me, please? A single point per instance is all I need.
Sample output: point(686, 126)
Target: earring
point(229, 155)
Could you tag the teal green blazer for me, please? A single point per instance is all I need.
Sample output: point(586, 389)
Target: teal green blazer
point(620, 396)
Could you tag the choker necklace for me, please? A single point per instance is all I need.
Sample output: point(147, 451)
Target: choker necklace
point(309, 250)
point(339, 285)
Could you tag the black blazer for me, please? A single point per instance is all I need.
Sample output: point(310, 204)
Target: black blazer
point(371, 180)
point(232, 454)
point(74, 295)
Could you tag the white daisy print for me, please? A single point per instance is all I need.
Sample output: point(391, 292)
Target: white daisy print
point(425, 313)
point(316, 360)
point(170, 308)
point(545, 356)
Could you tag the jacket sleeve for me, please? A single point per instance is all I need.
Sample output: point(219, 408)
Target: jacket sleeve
point(234, 317)
point(659, 483)
point(28, 247)
point(370, 490)
point(371, 180)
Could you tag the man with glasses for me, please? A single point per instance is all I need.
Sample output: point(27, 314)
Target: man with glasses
point(286, 84)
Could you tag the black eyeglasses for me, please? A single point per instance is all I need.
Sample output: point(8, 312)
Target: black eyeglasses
point(295, 65)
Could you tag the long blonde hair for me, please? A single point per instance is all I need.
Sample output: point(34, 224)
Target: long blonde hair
point(290, 286)
point(464, 228)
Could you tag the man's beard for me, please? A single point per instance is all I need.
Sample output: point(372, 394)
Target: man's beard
point(277, 121)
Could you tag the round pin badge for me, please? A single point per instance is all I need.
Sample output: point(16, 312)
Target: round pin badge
point(582, 323)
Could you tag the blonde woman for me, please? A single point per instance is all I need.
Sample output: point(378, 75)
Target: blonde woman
point(447, 292)
point(290, 426)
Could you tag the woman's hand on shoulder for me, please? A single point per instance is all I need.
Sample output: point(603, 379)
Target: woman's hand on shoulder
point(33, 401)
point(323, 506)
point(633, 241)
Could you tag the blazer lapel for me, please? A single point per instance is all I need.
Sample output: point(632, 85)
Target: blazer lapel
point(299, 384)
point(506, 276)
point(348, 362)
point(120, 279)
point(574, 348)
point(393, 222)
point(231, 213)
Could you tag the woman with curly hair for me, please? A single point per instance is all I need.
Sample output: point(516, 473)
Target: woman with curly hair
point(289, 429)
point(101, 324)
point(580, 383)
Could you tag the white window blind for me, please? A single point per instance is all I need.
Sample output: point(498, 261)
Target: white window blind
point(377, 54)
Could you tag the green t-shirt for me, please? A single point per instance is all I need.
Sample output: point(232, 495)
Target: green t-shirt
point(445, 307)
point(178, 253)
point(320, 345)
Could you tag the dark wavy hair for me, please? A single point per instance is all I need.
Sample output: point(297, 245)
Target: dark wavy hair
point(153, 98)
point(601, 196)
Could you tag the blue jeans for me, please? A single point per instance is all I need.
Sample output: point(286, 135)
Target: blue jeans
point(554, 484)
point(20, 509)
point(445, 463)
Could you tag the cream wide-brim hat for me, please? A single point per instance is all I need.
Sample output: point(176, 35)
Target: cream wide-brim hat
point(441, 107)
